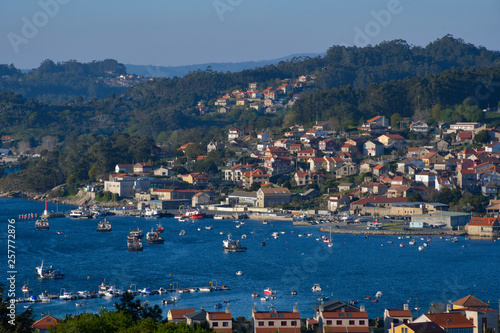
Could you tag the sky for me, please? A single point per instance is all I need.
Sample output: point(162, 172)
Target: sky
point(185, 32)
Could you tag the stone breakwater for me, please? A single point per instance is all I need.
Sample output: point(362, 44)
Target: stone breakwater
point(394, 232)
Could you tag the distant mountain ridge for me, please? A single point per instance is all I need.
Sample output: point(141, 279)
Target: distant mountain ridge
point(180, 71)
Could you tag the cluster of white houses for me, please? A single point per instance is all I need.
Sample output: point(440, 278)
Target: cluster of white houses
point(466, 315)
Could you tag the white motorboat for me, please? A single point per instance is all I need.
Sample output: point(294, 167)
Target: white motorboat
point(66, 295)
point(83, 294)
point(205, 289)
point(182, 233)
point(316, 288)
point(44, 298)
point(149, 212)
point(379, 294)
point(264, 299)
point(48, 273)
point(239, 273)
point(218, 217)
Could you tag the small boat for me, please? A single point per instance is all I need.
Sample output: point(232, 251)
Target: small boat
point(322, 299)
point(26, 289)
point(48, 273)
point(294, 292)
point(183, 291)
point(367, 297)
point(79, 303)
point(151, 212)
point(263, 244)
point(243, 236)
point(375, 300)
point(412, 242)
point(182, 233)
point(255, 294)
point(83, 294)
point(66, 295)
point(402, 245)
point(316, 288)
point(264, 299)
point(205, 289)
point(330, 244)
point(159, 228)
point(182, 219)
point(154, 238)
point(268, 291)
point(230, 245)
point(209, 227)
point(193, 214)
point(218, 306)
point(264, 222)
point(44, 298)
point(421, 248)
point(42, 224)
point(134, 244)
point(238, 226)
point(60, 232)
point(194, 290)
point(136, 233)
point(378, 294)
point(104, 225)
point(199, 229)
point(218, 217)
point(239, 273)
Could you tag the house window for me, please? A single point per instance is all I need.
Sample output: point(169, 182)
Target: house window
point(351, 322)
point(328, 322)
point(225, 324)
point(261, 323)
point(215, 324)
point(361, 322)
point(283, 323)
point(339, 322)
point(271, 323)
point(294, 323)
point(404, 329)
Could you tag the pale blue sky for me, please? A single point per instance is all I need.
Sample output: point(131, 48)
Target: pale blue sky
point(182, 32)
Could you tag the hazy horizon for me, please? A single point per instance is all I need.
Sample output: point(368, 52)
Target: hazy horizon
point(219, 31)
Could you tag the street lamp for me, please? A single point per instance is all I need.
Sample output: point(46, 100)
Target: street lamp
point(447, 321)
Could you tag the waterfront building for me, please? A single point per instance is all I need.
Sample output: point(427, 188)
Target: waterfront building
point(276, 321)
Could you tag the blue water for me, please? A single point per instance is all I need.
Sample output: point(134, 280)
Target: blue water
point(353, 268)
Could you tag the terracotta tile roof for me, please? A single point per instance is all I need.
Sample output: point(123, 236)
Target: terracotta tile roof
point(179, 313)
point(484, 221)
point(45, 323)
point(471, 302)
point(399, 313)
point(277, 315)
point(375, 118)
point(450, 320)
point(378, 167)
point(345, 315)
point(162, 190)
point(219, 316)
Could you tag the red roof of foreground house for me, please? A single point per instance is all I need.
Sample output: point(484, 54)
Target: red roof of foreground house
point(277, 315)
point(450, 320)
point(179, 313)
point(45, 323)
point(471, 302)
point(399, 313)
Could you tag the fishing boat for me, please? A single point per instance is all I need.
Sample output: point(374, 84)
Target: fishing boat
point(230, 245)
point(104, 225)
point(268, 291)
point(42, 224)
point(48, 273)
point(153, 238)
point(26, 289)
point(134, 244)
point(191, 214)
point(159, 228)
point(316, 288)
point(135, 234)
point(149, 212)
point(66, 295)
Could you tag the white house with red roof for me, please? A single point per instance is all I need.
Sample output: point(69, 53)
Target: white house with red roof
point(234, 133)
point(276, 321)
point(395, 317)
point(124, 168)
point(220, 321)
point(478, 312)
point(316, 132)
